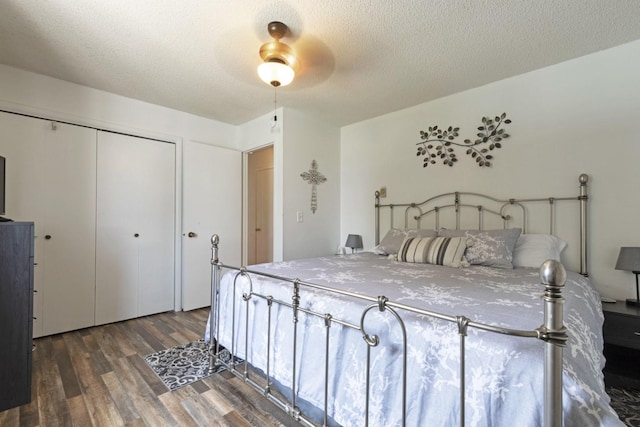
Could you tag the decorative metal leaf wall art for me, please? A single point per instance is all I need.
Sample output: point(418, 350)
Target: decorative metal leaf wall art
point(439, 143)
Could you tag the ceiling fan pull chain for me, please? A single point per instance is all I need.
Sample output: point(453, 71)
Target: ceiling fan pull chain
point(274, 123)
point(275, 103)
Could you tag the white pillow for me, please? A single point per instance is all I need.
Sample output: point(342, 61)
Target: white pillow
point(533, 249)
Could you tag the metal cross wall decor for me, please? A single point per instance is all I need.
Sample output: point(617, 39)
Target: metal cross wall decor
point(314, 177)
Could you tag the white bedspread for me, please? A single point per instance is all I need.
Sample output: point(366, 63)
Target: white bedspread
point(504, 379)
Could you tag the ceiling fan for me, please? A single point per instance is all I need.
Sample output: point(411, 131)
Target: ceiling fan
point(307, 58)
point(280, 62)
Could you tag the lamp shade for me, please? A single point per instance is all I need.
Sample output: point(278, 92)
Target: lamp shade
point(628, 259)
point(276, 73)
point(354, 241)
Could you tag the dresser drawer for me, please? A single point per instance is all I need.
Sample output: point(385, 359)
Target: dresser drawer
point(622, 330)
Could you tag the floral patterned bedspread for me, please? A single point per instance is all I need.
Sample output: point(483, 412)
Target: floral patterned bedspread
point(504, 375)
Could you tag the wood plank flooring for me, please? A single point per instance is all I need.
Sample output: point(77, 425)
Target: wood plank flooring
point(97, 377)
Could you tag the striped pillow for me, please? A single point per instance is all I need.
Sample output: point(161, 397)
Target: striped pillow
point(446, 251)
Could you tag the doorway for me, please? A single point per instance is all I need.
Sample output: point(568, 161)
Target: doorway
point(260, 206)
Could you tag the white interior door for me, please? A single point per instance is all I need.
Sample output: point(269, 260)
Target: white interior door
point(264, 216)
point(212, 203)
point(260, 206)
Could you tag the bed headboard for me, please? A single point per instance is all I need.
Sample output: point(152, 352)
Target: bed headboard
point(481, 211)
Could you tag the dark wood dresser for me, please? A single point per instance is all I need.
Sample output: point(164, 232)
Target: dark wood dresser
point(622, 344)
point(16, 312)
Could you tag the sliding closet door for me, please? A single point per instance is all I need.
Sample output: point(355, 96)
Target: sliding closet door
point(67, 231)
point(157, 228)
point(135, 227)
point(117, 222)
point(21, 139)
point(51, 181)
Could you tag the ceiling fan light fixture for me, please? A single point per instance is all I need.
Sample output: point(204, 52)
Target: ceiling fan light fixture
point(276, 73)
point(280, 64)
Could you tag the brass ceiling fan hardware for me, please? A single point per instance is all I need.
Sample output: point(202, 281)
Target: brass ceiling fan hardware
point(280, 63)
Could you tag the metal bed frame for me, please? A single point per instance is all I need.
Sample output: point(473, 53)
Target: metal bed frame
point(503, 207)
point(552, 331)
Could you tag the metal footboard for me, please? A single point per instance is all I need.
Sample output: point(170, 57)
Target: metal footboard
point(552, 332)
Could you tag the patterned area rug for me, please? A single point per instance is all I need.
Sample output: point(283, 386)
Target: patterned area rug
point(626, 402)
point(184, 364)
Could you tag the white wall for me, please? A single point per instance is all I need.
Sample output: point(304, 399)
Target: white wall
point(306, 139)
point(297, 140)
point(259, 133)
point(578, 116)
point(25, 92)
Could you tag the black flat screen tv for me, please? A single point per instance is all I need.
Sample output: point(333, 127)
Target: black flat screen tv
point(2, 185)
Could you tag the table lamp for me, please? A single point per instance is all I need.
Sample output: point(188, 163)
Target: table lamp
point(354, 241)
point(629, 260)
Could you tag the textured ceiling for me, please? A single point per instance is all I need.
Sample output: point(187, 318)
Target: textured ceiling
point(360, 58)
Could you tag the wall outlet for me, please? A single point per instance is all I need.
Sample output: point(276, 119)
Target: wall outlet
point(383, 192)
point(299, 216)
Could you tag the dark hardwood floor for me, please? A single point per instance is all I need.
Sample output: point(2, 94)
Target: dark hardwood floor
point(97, 377)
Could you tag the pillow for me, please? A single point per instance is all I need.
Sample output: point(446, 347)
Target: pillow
point(491, 248)
point(391, 242)
point(447, 251)
point(533, 249)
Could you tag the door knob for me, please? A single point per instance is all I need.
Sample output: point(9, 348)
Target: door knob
point(136, 235)
point(192, 234)
point(47, 237)
point(257, 229)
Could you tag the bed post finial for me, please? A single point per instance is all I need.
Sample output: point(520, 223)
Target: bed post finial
point(553, 332)
point(583, 178)
point(215, 240)
point(553, 274)
point(584, 236)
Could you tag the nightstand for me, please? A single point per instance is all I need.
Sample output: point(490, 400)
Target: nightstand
point(621, 344)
